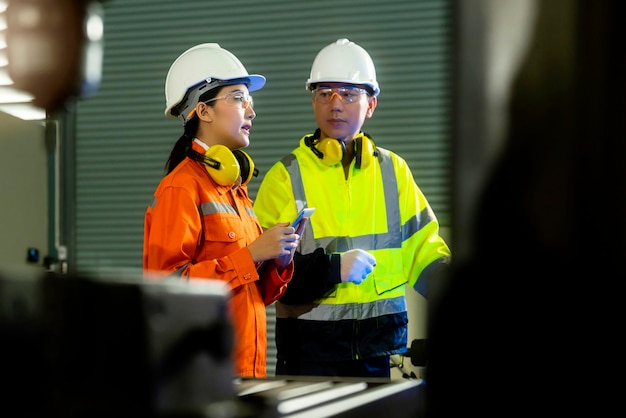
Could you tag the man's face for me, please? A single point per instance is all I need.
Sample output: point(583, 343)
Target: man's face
point(341, 109)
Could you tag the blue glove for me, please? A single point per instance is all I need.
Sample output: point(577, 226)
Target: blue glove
point(356, 265)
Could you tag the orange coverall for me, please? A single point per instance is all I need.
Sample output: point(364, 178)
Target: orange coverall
point(195, 222)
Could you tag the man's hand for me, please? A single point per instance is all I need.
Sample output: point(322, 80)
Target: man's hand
point(356, 265)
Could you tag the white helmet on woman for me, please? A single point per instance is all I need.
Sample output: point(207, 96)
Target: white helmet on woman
point(199, 69)
point(343, 62)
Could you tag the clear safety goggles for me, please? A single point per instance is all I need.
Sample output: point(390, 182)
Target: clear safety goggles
point(345, 94)
point(235, 98)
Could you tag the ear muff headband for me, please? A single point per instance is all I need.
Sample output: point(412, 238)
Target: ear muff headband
point(225, 166)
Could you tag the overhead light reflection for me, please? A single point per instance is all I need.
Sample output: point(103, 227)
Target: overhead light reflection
point(23, 111)
point(12, 101)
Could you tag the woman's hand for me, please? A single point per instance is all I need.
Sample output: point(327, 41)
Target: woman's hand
point(278, 242)
point(283, 261)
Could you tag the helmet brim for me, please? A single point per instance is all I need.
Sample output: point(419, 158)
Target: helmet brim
point(253, 81)
point(257, 82)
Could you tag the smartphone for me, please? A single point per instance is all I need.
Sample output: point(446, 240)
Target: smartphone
point(304, 213)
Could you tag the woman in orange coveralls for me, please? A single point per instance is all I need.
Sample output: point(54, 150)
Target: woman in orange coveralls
point(201, 223)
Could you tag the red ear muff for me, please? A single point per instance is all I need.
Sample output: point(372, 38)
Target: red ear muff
point(225, 166)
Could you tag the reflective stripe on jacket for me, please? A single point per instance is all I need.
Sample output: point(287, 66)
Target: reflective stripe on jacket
point(203, 229)
point(379, 209)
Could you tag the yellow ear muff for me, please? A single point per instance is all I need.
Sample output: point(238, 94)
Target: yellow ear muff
point(225, 166)
point(329, 150)
point(246, 165)
point(364, 151)
point(332, 150)
point(227, 169)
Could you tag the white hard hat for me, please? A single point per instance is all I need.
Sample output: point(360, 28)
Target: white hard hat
point(344, 62)
point(199, 69)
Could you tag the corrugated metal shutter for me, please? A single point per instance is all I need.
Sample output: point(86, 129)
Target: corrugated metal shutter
point(123, 139)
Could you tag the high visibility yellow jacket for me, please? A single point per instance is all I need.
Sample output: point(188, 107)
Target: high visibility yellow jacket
point(379, 209)
point(201, 230)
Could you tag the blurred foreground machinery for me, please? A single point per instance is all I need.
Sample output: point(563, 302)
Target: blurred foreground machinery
point(114, 346)
point(118, 346)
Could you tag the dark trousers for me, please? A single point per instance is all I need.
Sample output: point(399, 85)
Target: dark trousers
point(374, 367)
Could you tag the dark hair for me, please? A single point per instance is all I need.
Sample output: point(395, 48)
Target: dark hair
point(179, 151)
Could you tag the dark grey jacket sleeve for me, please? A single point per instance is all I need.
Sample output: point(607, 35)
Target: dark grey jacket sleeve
point(315, 274)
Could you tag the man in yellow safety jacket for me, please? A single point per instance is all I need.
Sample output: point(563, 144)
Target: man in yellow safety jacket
point(373, 232)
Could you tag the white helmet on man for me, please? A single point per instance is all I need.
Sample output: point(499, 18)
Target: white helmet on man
point(199, 69)
point(343, 62)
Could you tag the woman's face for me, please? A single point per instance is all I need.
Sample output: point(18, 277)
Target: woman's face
point(227, 118)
